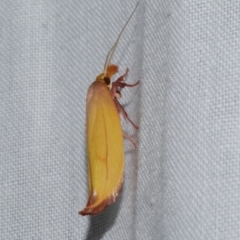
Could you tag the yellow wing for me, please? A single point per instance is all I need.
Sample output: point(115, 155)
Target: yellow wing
point(105, 149)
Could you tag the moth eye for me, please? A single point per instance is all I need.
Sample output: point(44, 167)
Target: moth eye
point(107, 80)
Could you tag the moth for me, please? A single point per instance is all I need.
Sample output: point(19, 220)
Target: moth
point(105, 135)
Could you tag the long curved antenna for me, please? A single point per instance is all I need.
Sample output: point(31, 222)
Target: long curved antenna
point(110, 53)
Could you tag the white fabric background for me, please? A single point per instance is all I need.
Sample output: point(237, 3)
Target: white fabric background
point(183, 180)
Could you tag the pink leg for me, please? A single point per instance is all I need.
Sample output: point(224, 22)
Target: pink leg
point(130, 139)
point(122, 85)
point(115, 91)
point(119, 81)
point(121, 78)
point(124, 113)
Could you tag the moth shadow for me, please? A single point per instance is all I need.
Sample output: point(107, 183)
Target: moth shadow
point(103, 222)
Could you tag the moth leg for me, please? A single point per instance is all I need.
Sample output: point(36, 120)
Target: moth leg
point(121, 78)
point(124, 113)
point(120, 84)
point(130, 139)
point(116, 93)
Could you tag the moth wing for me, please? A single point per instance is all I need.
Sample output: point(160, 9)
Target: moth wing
point(105, 149)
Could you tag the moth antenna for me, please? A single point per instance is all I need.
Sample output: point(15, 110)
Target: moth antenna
point(110, 53)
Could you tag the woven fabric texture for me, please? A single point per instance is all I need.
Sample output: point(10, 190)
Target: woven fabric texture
point(183, 180)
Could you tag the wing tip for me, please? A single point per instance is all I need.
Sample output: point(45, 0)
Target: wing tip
point(93, 207)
